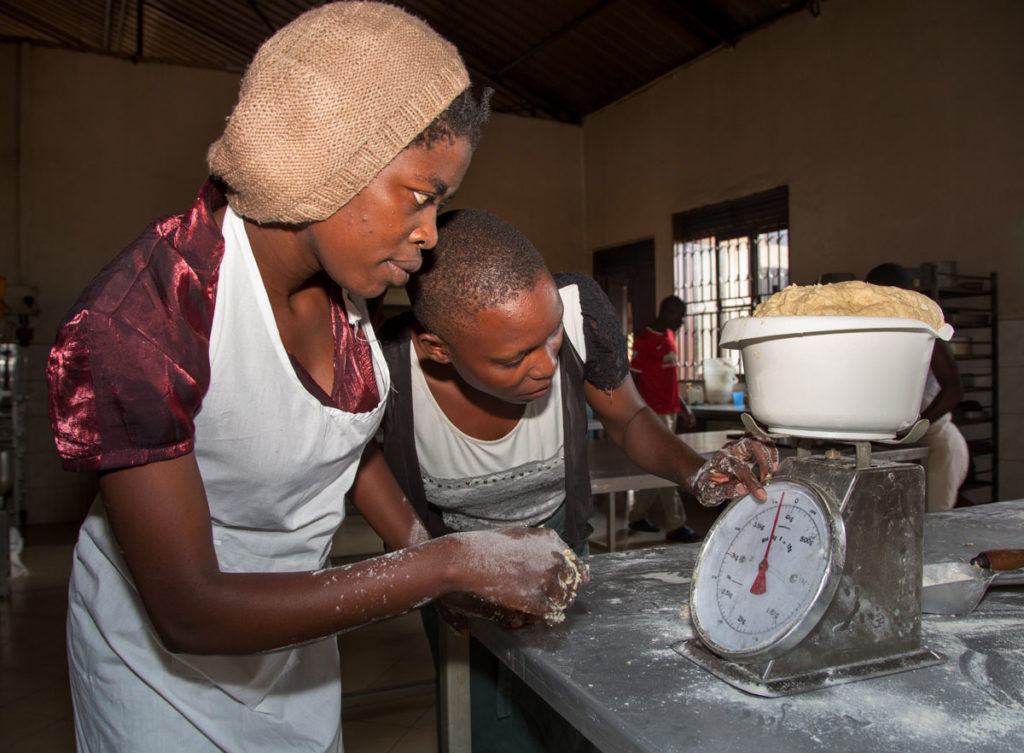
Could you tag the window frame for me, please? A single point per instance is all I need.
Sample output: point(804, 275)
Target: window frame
point(753, 233)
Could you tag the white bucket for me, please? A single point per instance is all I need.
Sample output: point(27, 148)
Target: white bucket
point(719, 381)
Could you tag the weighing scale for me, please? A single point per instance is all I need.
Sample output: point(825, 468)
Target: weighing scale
point(818, 585)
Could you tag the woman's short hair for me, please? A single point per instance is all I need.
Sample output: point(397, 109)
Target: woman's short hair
point(480, 262)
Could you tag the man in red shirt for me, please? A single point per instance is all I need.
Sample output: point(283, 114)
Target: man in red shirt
point(655, 368)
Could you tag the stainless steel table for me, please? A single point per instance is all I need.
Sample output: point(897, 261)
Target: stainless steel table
point(610, 670)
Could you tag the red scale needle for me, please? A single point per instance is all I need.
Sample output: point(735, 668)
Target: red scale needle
point(760, 584)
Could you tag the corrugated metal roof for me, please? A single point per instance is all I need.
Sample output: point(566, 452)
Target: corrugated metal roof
point(556, 59)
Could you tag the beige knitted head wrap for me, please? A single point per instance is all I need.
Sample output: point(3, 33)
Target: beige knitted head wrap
point(326, 103)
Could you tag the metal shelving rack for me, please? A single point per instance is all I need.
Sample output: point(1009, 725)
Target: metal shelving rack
point(969, 303)
point(13, 400)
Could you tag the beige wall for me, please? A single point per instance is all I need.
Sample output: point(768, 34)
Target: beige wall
point(896, 125)
point(8, 156)
point(530, 173)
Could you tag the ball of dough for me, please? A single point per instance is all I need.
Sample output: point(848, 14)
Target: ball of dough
point(852, 298)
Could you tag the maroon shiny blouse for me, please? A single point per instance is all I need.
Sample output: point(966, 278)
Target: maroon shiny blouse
point(131, 361)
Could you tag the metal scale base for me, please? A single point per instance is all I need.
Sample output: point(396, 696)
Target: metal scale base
point(872, 627)
point(760, 680)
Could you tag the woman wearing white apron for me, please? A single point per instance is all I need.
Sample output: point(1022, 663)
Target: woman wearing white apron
point(948, 456)
point(222, 376)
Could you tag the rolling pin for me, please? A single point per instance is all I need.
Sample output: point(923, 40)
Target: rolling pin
point(1000, 559)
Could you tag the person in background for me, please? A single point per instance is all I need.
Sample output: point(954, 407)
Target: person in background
point(948, 456)
point(655, 368)
point(492, 372)
point(221, 376)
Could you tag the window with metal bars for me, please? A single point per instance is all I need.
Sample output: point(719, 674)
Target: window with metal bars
point(728, 257)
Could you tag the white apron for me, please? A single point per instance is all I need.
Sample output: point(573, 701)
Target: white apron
point(948, 456)
point(276, 465)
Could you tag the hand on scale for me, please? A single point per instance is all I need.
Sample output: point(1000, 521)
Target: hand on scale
point(729, 472)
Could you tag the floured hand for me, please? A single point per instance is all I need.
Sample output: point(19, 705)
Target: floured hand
point(526, 570)
point(730, 471)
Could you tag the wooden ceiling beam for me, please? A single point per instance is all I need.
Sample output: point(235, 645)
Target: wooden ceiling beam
point(555, 35)
point(701, 18)
point(57, 35)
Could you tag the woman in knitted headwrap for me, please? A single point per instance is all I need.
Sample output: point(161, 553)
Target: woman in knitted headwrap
point(222, 376)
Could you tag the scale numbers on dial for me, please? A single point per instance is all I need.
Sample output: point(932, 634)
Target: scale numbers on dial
point(762, 569)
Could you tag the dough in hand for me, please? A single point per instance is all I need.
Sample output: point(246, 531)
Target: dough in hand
point(577, 573)
point(852, 298)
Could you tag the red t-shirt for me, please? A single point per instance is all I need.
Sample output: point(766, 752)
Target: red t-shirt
point(655, 367)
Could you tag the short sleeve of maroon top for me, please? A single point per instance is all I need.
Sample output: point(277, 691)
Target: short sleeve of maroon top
point(131, 361)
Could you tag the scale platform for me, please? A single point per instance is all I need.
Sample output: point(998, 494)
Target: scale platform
point(864, 619)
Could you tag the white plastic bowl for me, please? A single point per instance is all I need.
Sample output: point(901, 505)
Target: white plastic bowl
point(850, 377)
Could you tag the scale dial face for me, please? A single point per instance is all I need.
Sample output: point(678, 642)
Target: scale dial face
point(767, 572)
